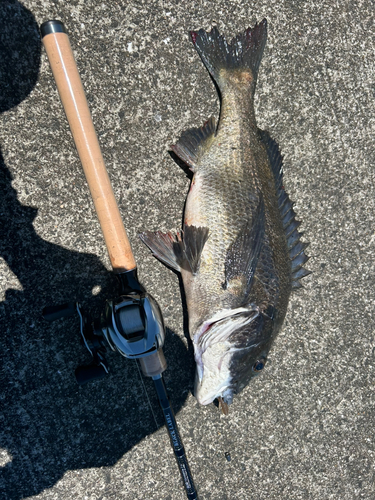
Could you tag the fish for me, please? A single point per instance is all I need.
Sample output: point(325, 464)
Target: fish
point(239, 252)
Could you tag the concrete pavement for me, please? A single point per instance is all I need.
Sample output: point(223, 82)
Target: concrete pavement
point(304, 429)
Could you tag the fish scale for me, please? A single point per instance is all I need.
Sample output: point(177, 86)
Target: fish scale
point(239, 252)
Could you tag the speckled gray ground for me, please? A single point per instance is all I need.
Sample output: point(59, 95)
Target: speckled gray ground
point(304, 429)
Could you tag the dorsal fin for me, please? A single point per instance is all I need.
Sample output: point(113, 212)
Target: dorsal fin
point(293, 236)
point(189, 145)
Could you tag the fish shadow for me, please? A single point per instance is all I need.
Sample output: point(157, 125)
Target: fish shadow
point(189, 174)
point(181, 164)
point(49, 424)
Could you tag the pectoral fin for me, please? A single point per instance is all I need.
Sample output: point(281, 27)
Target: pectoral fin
point(194, 240)
point(243, 254)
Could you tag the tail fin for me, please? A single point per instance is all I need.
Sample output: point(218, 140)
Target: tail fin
point(244, 52)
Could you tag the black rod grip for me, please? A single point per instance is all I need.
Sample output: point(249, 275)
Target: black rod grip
point(129, 282)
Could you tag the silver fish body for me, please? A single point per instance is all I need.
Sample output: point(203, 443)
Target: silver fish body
point(239, 253)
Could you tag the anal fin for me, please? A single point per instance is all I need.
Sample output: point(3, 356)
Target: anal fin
point(188, 147)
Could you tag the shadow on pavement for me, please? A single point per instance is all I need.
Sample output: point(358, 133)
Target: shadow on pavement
point(48, 424)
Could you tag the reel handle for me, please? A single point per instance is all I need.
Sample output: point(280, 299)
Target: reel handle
point(52, 313)
point(88, 373)
point(68, 81)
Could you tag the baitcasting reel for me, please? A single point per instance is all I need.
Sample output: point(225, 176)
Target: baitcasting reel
point(131, 324)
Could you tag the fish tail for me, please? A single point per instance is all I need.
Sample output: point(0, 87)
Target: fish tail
point(243, 53)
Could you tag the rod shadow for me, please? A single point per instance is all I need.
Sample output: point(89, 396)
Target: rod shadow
point(48, 424)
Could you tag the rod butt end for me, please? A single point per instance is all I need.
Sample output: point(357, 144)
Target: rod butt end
point(52, 27)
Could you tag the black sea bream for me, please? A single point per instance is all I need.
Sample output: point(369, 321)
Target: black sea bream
point(239, 252)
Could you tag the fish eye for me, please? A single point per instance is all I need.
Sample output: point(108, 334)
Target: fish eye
point(259, 365)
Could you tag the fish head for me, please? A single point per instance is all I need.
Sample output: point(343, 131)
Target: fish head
point(231, 348)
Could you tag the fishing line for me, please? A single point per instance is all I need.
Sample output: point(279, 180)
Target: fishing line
point(144, 388)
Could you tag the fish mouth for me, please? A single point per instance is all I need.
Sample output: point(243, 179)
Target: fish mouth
point(213, 352)
point(209, 398)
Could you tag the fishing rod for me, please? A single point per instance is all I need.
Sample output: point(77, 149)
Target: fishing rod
point(132, 324)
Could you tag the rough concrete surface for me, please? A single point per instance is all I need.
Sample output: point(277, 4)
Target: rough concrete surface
point(302, 430)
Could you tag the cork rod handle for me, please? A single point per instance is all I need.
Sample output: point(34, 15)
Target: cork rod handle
point(68, 81)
